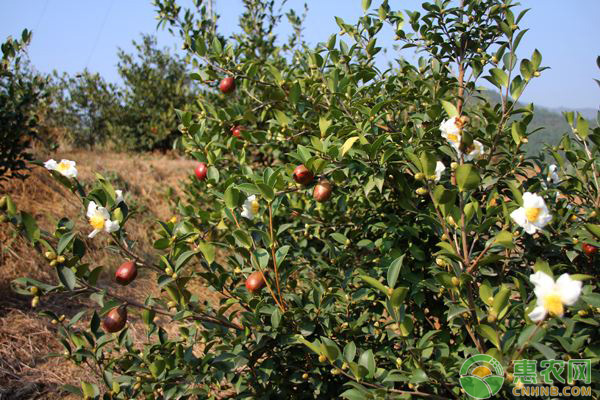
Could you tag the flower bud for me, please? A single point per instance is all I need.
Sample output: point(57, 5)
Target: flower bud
point(322, 358)
point(305, 376)
point(421, 191)
point(536, 74)
point(169, 271)
point(440, 262)
point(35, 301)
point(50, 255)
point(53, 263)
point(593, 214)
point(419, 176)
point(453, 165)
point(60, 259)
point(2, 202)
point(455, 281)
point(450, 220)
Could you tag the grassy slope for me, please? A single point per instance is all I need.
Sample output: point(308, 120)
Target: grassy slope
point(25, 338)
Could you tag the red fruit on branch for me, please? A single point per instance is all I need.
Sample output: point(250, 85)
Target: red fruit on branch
point(589, 249)
point(302, 175)
point(322, 191)
point(201, 171)
point(115, 320)
point(255, 282)
point(126, 273)
point(227, 85)
point(237, 130)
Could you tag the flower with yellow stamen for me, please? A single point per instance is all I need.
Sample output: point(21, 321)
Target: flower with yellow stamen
point(250, 207)
point(452, 131)
point(473, 152)
point(99, 219)
point(534, 214)
point(64, 167)
point(553, 296)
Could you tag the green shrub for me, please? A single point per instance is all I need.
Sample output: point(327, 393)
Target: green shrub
point(383, 287)
point(21, 91)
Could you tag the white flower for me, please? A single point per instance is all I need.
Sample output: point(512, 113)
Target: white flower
point(552, 174)
point(100, 220)
point(65, 167)
point(534, 214)
point(439, 170)
point(452, 131)
point(473, 152)
point(250, 207)
point(120, 198)
point(551, 296)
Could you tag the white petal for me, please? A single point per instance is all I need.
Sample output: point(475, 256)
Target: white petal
point(247, 213)
point(538, 314)
point(569, 289)
point(104, 212)
point(528, 199)
point(70, 173)
point(119, 198)
point(543, 220)
point(50, 164)
point(543, 284)
point(111, 226)
point(93, 233)
point(439, 170)
point(91, 210)
point(519, 216)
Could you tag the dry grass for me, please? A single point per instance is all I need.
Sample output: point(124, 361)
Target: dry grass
point(26, 339)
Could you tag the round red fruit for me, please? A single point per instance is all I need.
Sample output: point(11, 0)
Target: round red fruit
point(589, 249)
point(126, 273)
point(255, 282)
point(201, 171)
point(322, 191)
point(115, 320)
point(237, 131)
point(227, 85)
point(302, 175)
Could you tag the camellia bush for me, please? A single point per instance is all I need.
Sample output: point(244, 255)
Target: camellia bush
point(365, 231)
point(21, 92)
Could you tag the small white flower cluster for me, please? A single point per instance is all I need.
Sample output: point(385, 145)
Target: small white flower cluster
point(99, 217)
point(533, 216)
point(452, 131)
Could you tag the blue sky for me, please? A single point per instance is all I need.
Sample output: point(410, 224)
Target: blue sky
point(70, 35)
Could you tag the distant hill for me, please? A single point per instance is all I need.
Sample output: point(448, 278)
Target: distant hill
point(551, 121)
